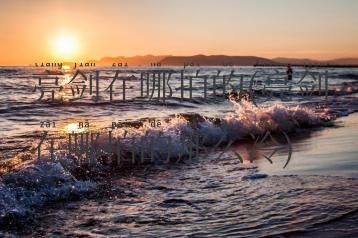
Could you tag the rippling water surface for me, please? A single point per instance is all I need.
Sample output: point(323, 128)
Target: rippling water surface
point(215, 194)
point(209, 198)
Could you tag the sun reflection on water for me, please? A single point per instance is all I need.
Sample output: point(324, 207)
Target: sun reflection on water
point(74, 128)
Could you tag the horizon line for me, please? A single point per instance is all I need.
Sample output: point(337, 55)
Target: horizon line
point(170, 55)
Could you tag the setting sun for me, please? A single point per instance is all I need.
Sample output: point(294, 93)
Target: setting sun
point(64, 46)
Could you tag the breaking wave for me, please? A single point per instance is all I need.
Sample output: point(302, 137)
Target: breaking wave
point(66, 176)
point(185, 130)
point(36, 185)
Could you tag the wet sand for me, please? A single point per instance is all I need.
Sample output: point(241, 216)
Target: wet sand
point(330, 151)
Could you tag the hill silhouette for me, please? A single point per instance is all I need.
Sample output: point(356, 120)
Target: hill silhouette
point(218, 60)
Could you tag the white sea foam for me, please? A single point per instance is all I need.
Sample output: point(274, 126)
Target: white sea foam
point(46, 181)
point(181, 136)
point(35, 185)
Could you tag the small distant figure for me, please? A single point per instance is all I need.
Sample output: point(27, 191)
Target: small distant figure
point(289, 72)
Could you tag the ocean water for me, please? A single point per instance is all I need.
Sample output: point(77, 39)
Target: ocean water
point(218, 187)
point(22, 112)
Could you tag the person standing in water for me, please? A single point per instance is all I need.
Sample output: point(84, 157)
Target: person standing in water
point(289, 72)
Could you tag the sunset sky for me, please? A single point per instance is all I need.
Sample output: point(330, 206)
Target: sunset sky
point(48, 31)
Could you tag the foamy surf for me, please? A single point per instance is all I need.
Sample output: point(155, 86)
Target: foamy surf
point(36, 185)
point(193, 132)
point(66, 177)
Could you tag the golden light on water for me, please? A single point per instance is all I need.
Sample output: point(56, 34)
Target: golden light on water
point(66, 78)
point(73, 127)
point(66, 67)
point(78, 126)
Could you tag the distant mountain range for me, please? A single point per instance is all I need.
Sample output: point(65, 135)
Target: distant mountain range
point(340, 61)
point(144, 60)
point(217, 60)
